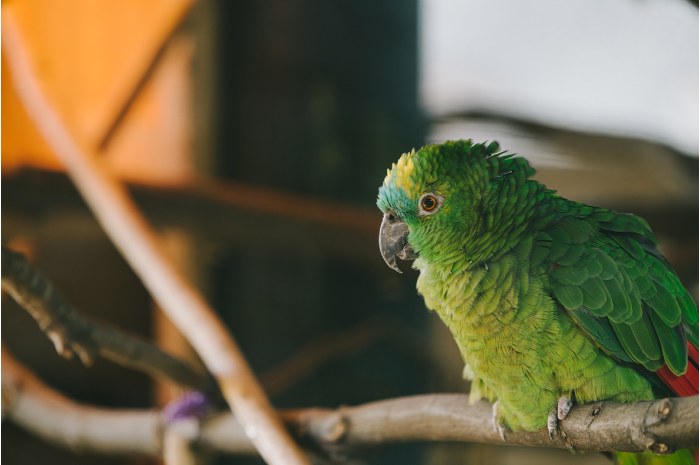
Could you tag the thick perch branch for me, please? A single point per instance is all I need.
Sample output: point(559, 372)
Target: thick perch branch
point(665, 424)
point(662, 425)
point(140, 246)
point(73, 334)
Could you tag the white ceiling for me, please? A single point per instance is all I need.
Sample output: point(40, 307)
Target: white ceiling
point(618, 67)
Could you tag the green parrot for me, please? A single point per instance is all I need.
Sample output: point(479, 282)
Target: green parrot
point(550, 301)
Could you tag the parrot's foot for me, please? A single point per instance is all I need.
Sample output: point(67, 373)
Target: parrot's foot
point(498, 427)
point(558, 413)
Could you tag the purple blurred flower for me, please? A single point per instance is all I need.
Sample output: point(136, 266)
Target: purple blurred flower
point(192, 404)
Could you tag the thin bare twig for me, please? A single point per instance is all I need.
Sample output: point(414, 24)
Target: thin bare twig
point(665, 424)
point(323, 349)
point(74, 334)
point(182, 204)
point(139, 244)
point(215, 213)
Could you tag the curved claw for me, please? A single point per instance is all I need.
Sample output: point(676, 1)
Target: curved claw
point(558, 413)
point(498, 427)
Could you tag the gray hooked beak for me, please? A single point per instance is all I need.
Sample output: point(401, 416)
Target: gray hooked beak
point(393, 241)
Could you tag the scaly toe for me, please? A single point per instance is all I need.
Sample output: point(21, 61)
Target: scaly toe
point(552, 424)
point(563, 407)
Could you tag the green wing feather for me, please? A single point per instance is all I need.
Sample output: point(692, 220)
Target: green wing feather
point(605, 272)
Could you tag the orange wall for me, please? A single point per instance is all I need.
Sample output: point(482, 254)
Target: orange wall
point(90, 56)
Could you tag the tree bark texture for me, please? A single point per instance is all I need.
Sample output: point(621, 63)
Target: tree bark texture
point(661, 425)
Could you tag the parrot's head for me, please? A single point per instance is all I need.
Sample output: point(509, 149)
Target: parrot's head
point(438, 201)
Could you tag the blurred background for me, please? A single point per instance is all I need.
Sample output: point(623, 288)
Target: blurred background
point(254, 135)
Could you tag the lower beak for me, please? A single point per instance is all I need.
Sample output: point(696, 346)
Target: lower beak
point(393, 241)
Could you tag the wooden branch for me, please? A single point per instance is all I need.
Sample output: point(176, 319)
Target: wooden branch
point(76, 335)
point(139, 244)
point(213, 211)
point(178, 440)
point(665, 424)
point(73, 334)
point(223, 211)
point(661, 425)
point(319, 351)
point(42, 411)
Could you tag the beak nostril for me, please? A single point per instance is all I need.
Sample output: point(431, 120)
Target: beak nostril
point(391, 217)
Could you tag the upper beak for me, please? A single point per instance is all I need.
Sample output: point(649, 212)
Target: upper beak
point(393, 241)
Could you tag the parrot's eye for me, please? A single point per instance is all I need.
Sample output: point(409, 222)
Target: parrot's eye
point(429, 203)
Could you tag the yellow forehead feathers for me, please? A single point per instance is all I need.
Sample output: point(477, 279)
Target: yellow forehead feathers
point(401, 172)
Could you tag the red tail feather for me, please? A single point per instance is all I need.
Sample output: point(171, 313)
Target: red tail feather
point(693, 354)
point(686, 384)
